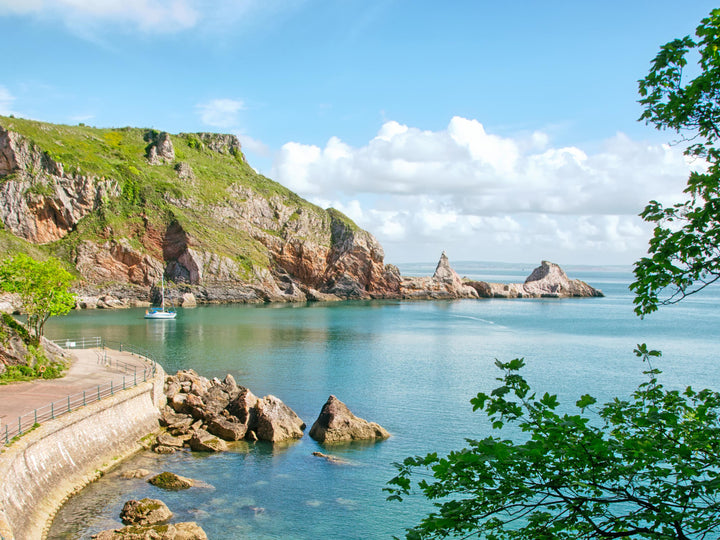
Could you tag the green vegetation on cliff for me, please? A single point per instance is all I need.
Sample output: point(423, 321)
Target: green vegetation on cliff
point(207, 172)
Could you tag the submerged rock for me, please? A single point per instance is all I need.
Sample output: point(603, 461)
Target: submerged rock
point(188, 530)
point(171, 481)
point(145, 512)
point(337, 424)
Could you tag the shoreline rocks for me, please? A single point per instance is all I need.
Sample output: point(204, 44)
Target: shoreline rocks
point(148, 518)
point(202, 415)
point(336, 424)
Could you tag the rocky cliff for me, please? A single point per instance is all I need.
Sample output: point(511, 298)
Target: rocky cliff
point(125, 206)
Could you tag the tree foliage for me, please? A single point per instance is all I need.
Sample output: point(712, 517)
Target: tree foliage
point(647, 467)
point(684, 253)
point(643, 467)
point(41, 286)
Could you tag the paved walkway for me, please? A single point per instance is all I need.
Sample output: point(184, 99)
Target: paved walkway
point(90, 368)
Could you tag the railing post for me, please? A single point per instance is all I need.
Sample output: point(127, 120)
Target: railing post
point(111, 389)
point(7, 438)
point(68, 403)
point(52, 410)
point(19, 425)
point(84, 398)
point(123, 382)
point(35, 416)
point(98, 393)
point(135, 376)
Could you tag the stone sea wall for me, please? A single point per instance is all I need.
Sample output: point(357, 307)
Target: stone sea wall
point(43, 468)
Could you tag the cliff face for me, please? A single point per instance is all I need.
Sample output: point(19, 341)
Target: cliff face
point(41, 202)
point(140, 204)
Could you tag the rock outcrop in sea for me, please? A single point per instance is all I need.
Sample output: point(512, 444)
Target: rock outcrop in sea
point(547, 281)
point(202, 414)
point(337, 424)
point(444, 284)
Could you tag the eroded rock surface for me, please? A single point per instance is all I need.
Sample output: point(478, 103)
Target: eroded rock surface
point(202, 414)
point(546, 281)
point(145, 512)
point(337, 424)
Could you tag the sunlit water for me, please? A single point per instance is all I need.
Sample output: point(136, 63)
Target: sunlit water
point(410, 366)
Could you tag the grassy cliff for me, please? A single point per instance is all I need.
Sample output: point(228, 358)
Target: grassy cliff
point(208, 172)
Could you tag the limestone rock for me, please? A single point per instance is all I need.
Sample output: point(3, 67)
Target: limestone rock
point(202, 414)
point(161, 148)
point(337, 424)
point(184, 171)
point(227, 430)
point(445, 284)
point(277, 422)
point(202, 441)
point(135, 473)
point(145, 512)
point(546, 281)
point(188, 530)
point(550, 279)
point(171, 481)
point(188, 300)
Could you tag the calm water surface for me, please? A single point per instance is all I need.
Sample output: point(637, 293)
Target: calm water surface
point(410, 366)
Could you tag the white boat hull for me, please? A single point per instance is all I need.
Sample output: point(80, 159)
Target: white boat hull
point(160, 314)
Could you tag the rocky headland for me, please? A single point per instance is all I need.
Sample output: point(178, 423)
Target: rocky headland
point(123, 207)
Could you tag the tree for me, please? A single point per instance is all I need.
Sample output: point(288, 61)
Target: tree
point(643, 467)
point(684, 253)
point(649, 469)
point(41, 286)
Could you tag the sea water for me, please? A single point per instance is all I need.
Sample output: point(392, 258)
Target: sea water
point(411, 366)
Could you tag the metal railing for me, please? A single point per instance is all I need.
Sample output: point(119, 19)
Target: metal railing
point(132, 375)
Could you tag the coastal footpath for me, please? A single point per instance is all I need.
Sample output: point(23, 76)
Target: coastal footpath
point(45, 466)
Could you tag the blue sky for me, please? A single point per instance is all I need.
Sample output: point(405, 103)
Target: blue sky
point(502, 131)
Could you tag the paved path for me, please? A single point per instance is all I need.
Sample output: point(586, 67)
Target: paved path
point(90, 368)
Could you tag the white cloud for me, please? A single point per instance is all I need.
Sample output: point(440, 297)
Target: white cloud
point(6, 101)
point(220, 113)
point(146, 15)
point(480, 191)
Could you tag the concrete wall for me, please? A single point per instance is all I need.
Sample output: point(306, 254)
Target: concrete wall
point(39, 471)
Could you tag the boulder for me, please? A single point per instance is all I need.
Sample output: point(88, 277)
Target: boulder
point(171, 481)
point(188, 530)
point(276, 421)
point(244, 407)
point(226, 429)
point(134, 473)
point(202, 441)
point(145, 512)
point(337, 424)
point(165, 439)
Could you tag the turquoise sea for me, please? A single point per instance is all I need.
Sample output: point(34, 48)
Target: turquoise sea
point(411, 366)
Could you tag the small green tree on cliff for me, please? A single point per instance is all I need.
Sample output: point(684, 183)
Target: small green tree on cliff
point(43, 288)
point(644, 467)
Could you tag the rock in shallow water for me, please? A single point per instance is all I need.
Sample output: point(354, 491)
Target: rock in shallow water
point(337, 424)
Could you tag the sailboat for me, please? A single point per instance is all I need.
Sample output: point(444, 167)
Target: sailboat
point(161, 312)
